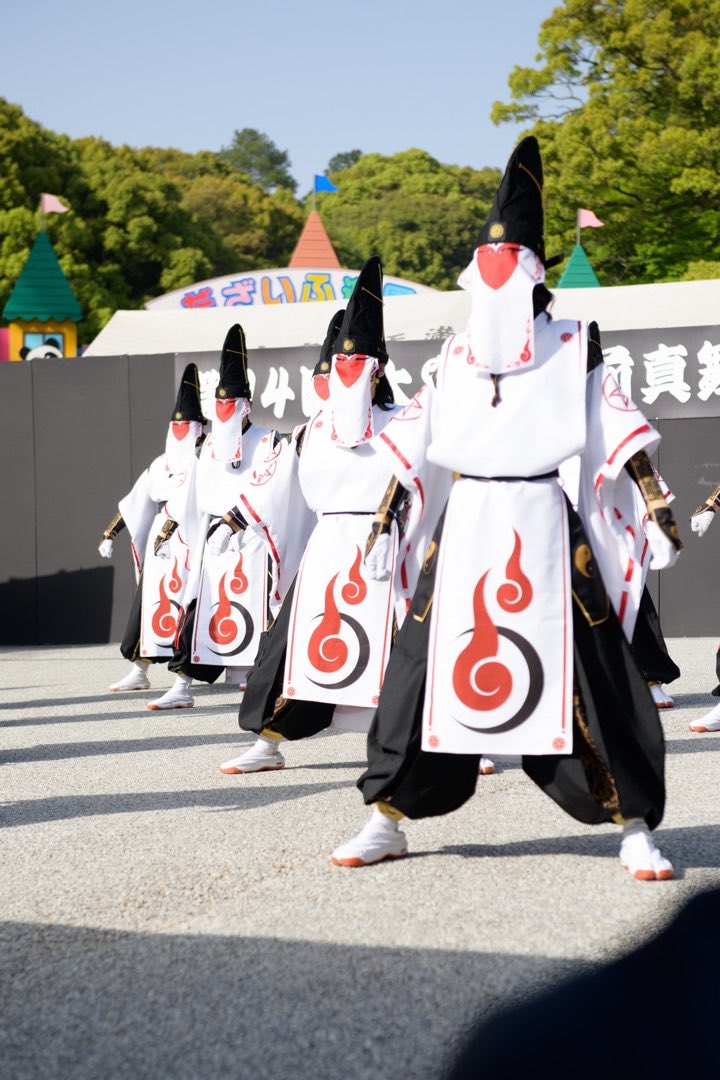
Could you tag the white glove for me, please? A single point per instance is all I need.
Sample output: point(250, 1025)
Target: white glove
point(378, 561)
point(106, 548)
point(663, 551)
point(163, 550)
point(220, 539)
point(700, 523)
point(236, 541)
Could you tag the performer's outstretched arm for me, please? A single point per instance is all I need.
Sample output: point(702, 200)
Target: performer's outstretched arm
point(161, 540)
point(640, 469)
point(111, 530)
point(702, 518)
point(379, 546)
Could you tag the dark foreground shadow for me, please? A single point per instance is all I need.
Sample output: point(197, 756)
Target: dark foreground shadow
point(640, 1017)
point(80, 1004)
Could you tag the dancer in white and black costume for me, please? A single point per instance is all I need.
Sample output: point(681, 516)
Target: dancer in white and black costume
point(238, 582)
point(161, 574)
point(511, 643)
point(324, 659)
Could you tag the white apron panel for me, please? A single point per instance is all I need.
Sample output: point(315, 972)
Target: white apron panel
point(163, 593)
point(500, 668)
point(341, 622)
point(231, 610)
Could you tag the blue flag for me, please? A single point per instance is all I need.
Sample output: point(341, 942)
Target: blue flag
point(323, 184)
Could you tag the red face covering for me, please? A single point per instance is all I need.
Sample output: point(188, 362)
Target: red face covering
point(227, 428)
point(180, 443)
point(350, 398)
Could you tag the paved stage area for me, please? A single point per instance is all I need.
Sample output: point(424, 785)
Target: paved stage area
point(159, 919)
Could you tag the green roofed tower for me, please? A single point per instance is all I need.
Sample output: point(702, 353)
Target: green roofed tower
point(578, 274)
point(42, 305)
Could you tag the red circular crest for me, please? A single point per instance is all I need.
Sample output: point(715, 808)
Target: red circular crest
point(196, 659)
point(559, 743)
point(291, 691)
point(375, 699)
point(567, 336)
point(433, 741)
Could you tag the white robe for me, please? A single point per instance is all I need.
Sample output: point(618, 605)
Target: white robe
point(144, 510)
point(341, 621)
point(235, 589)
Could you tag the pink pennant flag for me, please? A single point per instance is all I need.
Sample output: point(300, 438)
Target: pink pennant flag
point(50, 204)
point(586, 217)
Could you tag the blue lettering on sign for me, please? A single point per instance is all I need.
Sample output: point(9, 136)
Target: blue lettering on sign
point(391, 288)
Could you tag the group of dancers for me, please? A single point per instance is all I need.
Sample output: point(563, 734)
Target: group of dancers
point(460, 578)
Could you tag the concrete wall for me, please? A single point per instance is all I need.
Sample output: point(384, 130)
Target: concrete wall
point(74, 435)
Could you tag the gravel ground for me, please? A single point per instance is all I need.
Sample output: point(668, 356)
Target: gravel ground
point(159, 919)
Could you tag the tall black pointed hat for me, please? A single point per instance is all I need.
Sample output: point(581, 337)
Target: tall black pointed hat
point(187, 405)
point(517, 215)
point(324, 362)
point(234, 382)
point(362, 325)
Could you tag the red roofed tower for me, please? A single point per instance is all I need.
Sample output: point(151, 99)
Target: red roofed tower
point(314, 249)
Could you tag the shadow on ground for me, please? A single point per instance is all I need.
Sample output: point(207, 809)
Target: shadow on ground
point(81, 1003)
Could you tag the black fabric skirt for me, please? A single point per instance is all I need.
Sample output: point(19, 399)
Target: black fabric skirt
point(648, 644)
point(262, 705)
point(130, 644)
point(182, 662)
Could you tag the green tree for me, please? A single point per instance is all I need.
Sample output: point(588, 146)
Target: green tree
point(626, 106)
point(255, 154)
point(422, 218)
point(338, 162)
point(142, 222)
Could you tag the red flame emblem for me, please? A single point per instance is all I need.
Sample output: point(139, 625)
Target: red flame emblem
point(356, 590)
point(326, 650)
point(517, 592)
point(478, 684)
point(175, 581)
point(223, 628)
point(164, 621)
point(239, 582)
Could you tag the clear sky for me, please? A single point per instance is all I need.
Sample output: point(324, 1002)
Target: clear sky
point(317, 78)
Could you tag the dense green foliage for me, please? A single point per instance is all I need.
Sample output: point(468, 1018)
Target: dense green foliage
point(422, 218)
point(626, 105)
point(145, 221)
point(343, 161)
point(255, 154)
point(142, 222)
